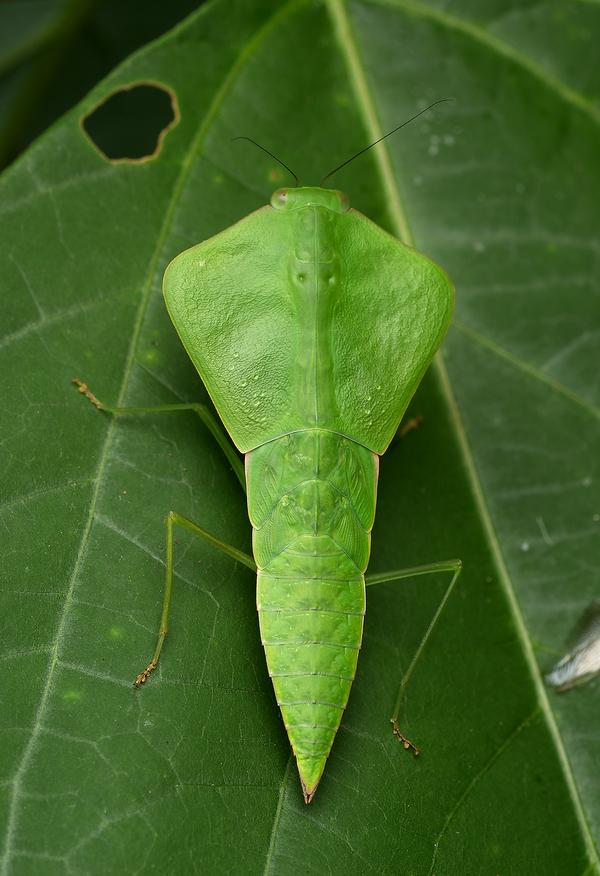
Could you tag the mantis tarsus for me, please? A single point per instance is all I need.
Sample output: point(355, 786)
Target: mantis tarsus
point(311, 329)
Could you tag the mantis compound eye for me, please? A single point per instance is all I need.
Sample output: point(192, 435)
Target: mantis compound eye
point(344, 201)
point(279, 198)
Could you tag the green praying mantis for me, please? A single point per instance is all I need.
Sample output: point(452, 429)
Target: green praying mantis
point(311, 329)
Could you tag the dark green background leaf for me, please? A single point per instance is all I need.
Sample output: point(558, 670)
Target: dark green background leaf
point(193, 774)
point(53, 51)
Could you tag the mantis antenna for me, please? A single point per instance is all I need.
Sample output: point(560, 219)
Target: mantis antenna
point(278, 160)
point(389, 133)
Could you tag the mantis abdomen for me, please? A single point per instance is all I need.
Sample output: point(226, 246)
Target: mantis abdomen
point(311, 502)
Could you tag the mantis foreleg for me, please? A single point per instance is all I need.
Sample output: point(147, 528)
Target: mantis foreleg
point(210, 421)
point(174, 519)
point(405, 427)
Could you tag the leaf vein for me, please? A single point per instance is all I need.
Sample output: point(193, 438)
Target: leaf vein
point(366, 105)
point(146, 289)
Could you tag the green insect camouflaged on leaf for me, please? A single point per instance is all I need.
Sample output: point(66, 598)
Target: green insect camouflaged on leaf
point(311, 328)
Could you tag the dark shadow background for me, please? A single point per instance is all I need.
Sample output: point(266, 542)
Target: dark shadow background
point(53, 52)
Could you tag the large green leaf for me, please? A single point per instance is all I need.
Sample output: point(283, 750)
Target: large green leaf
point(193, 772)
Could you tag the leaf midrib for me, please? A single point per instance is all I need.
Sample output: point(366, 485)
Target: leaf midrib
point(146, 289)
point(366, 106)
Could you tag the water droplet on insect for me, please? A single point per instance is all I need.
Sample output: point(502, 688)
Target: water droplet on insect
point(525, 546)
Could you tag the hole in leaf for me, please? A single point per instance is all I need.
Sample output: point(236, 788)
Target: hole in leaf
point(131, 123)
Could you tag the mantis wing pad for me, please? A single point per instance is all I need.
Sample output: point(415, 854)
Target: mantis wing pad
point(236, 305)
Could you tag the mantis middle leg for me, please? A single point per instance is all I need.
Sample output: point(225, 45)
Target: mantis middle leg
point(173, 518)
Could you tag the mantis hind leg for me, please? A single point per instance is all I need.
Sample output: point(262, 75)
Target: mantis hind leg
point(210, 421)
point(454, 566)
point(174, 519)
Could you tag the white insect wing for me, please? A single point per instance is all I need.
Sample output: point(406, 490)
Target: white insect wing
point(582, 662)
